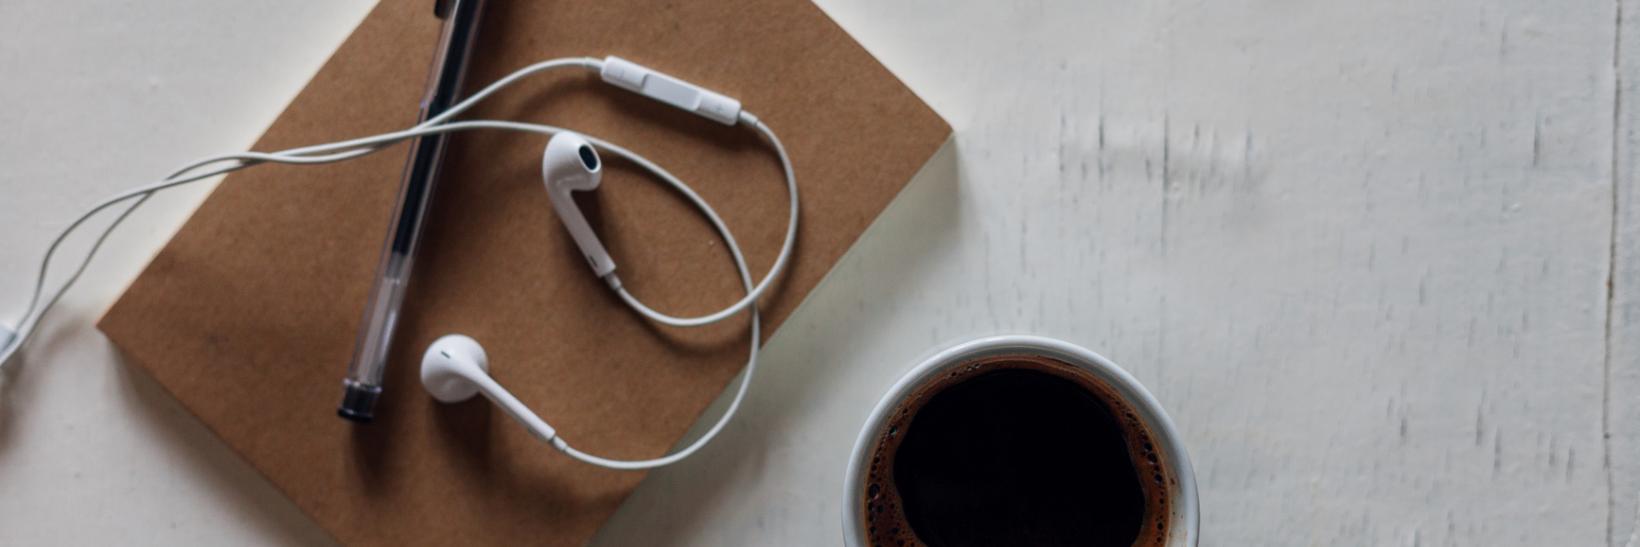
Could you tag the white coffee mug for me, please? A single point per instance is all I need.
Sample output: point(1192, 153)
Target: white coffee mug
point(1182, 517)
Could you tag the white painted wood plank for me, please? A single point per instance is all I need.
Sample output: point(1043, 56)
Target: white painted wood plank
point(1358, 249)
point(1623, 364)
point(100, 97)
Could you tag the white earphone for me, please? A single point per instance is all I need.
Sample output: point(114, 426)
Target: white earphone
point(571, 165)
point(455, 367)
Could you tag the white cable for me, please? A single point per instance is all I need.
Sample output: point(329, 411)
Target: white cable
point(341, 150)
point(349, 149)
point(36, 312)
point(746, 377)
point(656, 170)
point(774, 271)
point(734, 252)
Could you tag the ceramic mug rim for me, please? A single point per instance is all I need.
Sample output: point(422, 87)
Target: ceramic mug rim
point(1183, 503)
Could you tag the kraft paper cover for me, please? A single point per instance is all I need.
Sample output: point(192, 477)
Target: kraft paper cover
point(248, 315)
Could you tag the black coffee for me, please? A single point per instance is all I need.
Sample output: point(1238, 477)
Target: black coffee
point(1016, 452)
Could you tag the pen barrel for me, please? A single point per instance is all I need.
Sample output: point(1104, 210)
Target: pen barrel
point(363, 384)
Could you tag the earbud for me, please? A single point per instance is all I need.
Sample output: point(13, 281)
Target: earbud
point(570, 164)
point(455, 368)
point(451, 366)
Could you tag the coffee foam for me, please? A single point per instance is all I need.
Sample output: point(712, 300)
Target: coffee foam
point(882, 510)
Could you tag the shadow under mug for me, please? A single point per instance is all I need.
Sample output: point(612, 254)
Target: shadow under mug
point(1182, 510)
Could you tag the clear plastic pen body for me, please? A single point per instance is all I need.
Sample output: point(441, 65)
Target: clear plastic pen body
point(363, 384)
point(364, 376)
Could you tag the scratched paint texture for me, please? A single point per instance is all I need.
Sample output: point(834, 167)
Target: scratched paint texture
point(1359, 250)
point(1623, 363)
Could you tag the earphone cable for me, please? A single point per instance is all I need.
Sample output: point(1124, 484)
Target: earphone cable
point(780, 260)
point(34, 313)
point(349, 149)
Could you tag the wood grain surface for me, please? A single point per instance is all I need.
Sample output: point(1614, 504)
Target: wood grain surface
point(1360, 251)
point(1380, 260)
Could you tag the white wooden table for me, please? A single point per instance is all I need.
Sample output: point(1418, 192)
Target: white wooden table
point(1380, 260)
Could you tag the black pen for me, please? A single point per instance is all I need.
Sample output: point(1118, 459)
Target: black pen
point(364, 375)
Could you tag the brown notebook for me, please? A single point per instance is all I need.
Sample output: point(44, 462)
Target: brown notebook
point(248, 316)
